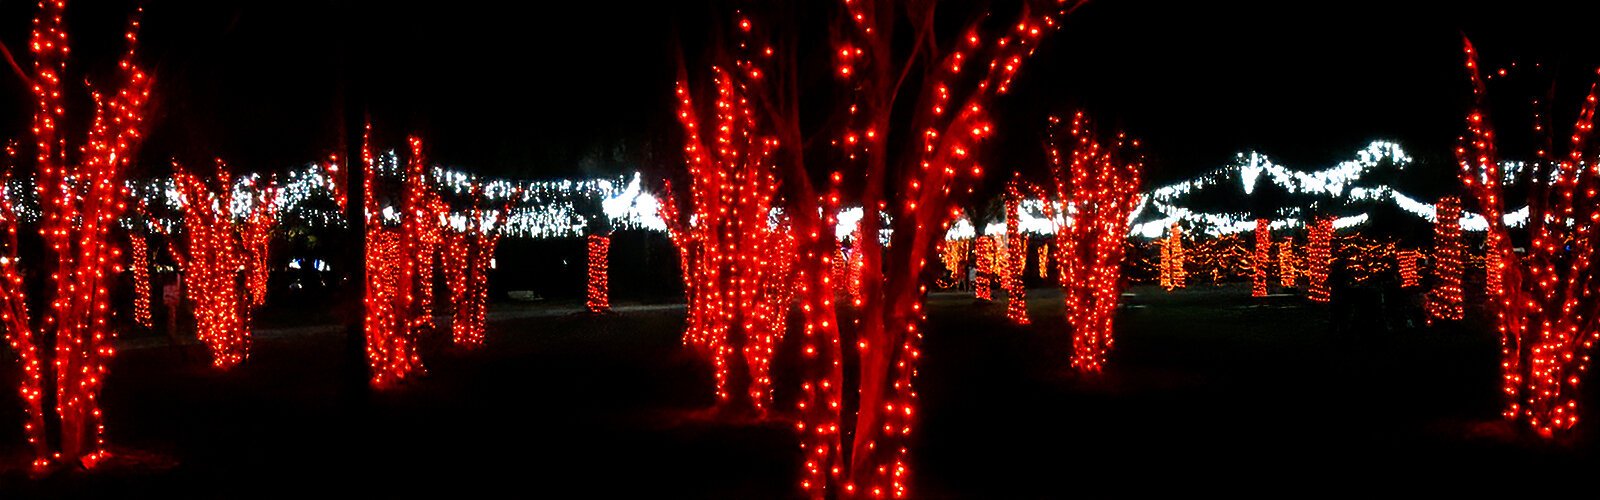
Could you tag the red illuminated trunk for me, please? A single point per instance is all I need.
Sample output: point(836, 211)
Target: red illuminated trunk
point(63, 349)
point(599, 296)
point(1548, 317)
point(1263, 256)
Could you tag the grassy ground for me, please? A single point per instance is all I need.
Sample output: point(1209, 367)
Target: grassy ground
point(1208, 390)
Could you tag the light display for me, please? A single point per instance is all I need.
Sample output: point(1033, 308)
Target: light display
point(211, 262)
point(1445, 300)
point(1016, 258)
point(738, 284)
point(140, 265)
point(953, 253)
point(1319, 259)
point(466, 253)
point(394, 313)
point(984, 260)
point(1100, 183)
point(1548, 317)
point(63, 348)
point(1173, 274)
point(1044, 260)
point(866, 455)
point(1287, 273)
point(1263, 255)
point(599, 293)
point(1406, 260)
point(255, 233)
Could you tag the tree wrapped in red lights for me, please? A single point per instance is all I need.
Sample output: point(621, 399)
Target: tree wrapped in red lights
point(1016, 257)
point(255, 234)
point(854, 428)
point(1173, 273)
point(140, 265)
point(1263, 255)
point(984, 260)
point(1406, 261)
point(599, 292)
point(466, 254)
point(1287, 274)
point(1099, 184)
point(1044, 260)
point(399, 266)
point(63, 348)
point(1445, 300)
point(1547, 314)
point(1319, 259)
point(726, 237)
point(211, 261)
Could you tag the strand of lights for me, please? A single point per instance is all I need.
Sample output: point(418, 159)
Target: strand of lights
point(1319, 258)
point(855, 265)
point(953, 253)
point(740, 305)
point(599, 300)
point(1016, 258)
point(1100, 184)
point(1287, 273)
point(392, 316)
point(952, 123)
point(982, 284)
point(80, 200)
point(1263, 255)
point(467, 254)
point(256, 235)
point(211, 263)
point(1044, 260)
point(141, 279)
point(1445, 300)
point(1546, 312)
point(1407, 262)
point(1173, 273)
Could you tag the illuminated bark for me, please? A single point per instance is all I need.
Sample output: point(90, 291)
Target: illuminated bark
point(1548, 317)
point(64, 348)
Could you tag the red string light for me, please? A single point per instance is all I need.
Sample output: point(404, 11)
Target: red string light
point(1263, 255)
point(599, 300)
point(1406, 260)
point(141, 279)
point(1173, 274)
point(395, 313)
point(256, 235)
point(1548, 319)
point(738, 285)
point(1016, 257)
point(466, 256)
point(1100, 184)
point(1445, 300)
point(211, 263)
point(81, 196)
point(982, 283)
point(1287, 274)
point(1319, 259)
point(1044, 260)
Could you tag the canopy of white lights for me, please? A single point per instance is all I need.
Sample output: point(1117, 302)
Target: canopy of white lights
point(568, 208)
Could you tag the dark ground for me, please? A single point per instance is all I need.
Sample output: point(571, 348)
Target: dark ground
point(1208, 391)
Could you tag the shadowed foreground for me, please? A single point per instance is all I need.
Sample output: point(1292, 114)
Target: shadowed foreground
point(1207, 390)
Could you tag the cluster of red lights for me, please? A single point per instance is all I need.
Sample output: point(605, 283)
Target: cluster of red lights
point(1173, 273)
point(1548, 317)
point(1319, 259)
point(64, 347)
point(1100, 184)
point(211, 262)
point(984, 260)
point(141, 279)
point(255, 233)
point(953, 253)
point(739, 286)
point(1406, 260)
point(874, 422)
point(1445, 300)
point(394, 313)
point(1016, 258)
point(1263, 255)
point(599, 293)
point(1287, 274)
point(1044, 260)
point(466, 256)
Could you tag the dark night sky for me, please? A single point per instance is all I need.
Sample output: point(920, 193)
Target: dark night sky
point(512, 91)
